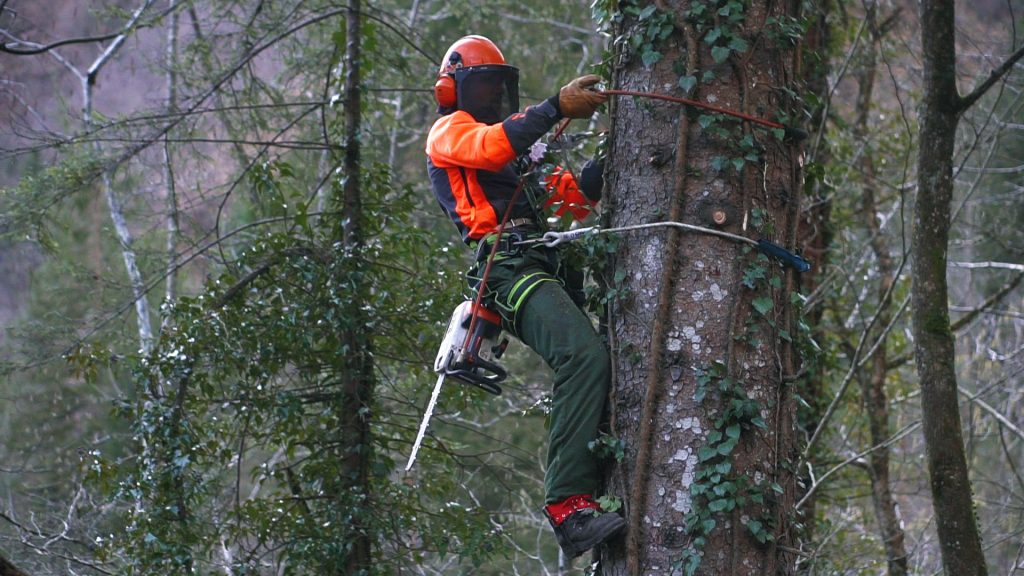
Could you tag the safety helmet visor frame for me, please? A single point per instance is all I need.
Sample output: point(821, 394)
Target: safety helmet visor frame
point(489, 92)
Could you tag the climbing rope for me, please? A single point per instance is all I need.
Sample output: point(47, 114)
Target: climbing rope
point(552, 239)
point(792, 133)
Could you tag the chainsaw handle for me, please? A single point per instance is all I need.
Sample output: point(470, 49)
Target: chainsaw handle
point(483, 380)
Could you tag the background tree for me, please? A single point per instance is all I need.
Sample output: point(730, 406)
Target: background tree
point(942, 107)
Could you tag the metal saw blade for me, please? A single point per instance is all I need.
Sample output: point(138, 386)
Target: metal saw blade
point(426, 420)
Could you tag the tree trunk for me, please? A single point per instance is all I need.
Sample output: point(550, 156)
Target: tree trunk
point(814, 236)
point(124, 234)
point(702, 336)
point(172, 225)
point(959, 541)
point(875, 400)
point(357, 365)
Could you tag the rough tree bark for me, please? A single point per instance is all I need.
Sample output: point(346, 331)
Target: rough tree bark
point(941, 107)
point(690, 320)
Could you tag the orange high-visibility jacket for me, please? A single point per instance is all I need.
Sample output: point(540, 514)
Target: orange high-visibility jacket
point(473, 173)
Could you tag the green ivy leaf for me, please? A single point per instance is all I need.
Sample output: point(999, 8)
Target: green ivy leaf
point(763, 305)
point(718, 505)
point(738, 44)
point(687, 83)
point(650, 57)
point(720, 54)
point(610, 503)
point(725, 448)
point(755, 527)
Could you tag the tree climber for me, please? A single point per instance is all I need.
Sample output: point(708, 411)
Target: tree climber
point(476, 157)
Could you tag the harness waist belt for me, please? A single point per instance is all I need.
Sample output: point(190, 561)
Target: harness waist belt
point(516, 230)
point(520, 222)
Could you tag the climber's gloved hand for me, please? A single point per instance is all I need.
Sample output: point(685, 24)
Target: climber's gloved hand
point(577, 100)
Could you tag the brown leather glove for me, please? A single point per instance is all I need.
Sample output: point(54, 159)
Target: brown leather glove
point(576, 100)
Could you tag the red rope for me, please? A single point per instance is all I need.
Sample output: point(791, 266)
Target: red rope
point(696, 104)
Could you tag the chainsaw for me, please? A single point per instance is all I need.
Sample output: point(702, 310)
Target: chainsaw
point(467, 357)
point(470, 358)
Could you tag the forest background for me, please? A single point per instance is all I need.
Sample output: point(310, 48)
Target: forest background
point(214, 213)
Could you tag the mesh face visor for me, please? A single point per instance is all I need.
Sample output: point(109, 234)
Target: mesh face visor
point(489, 93)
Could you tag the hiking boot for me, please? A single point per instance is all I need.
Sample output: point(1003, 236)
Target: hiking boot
point(580, 524)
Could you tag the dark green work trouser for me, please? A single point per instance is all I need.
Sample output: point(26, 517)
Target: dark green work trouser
point(538, 310)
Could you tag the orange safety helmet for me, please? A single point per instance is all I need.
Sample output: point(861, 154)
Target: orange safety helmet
point(471, 62)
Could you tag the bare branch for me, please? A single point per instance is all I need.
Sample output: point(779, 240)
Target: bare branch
point(993, 77)
point(1006, 313)
point(971, 314)
point(856, 362)
point(995, 413)
point(998, 265)
point(895, 438)
point(8, 47)
point(550, 22)
point(984, 307)
point(116, 44)
point(989, 170)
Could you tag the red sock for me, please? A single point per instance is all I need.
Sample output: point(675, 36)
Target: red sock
point(559, 511)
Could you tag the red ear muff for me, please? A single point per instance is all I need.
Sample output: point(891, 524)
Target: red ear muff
point(444, 92)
